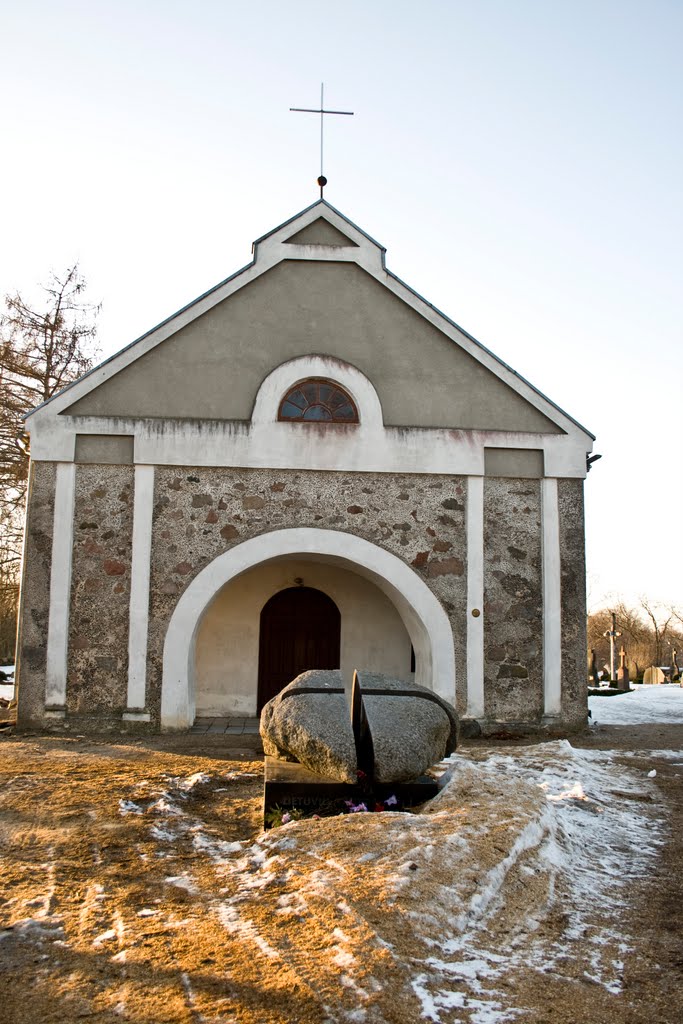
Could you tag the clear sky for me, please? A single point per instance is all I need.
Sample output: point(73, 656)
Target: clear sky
point(521, 161)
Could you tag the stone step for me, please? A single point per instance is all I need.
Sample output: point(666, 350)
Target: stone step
point(232, 732)
point(231, 726)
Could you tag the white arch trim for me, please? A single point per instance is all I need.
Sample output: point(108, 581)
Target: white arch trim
point(283, 377)
point(424, 618)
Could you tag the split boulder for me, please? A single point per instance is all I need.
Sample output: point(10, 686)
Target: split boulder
point(410, 731)
point(312, 728)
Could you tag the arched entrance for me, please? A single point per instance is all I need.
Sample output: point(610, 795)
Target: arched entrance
point(423, 616)
point(300, 629)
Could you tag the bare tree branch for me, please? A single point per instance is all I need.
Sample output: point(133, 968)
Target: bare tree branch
point(41, 351)
point(649, 634)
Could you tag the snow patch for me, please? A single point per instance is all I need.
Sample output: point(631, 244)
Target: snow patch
point(234, 923)
point(128, 807)
point(218, 850)
point(183, 881)
point(187, 785)
point(164, 834)
point(291, 904)
point(47, 927)
point(164, 805)
point(645, 704)
point(480, 1011)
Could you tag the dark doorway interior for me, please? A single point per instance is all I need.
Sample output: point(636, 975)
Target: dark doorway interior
point(300, 629)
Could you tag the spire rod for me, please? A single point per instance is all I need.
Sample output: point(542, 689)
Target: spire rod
point(322, 180)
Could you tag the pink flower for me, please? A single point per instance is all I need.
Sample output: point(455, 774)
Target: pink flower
point(286, 818)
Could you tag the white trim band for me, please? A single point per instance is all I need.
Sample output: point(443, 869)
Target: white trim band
point(475, 597)
point(143, 505)
point(552, 599)
point(60, 587)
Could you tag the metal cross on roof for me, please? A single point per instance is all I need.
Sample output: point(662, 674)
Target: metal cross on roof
point(322, 180)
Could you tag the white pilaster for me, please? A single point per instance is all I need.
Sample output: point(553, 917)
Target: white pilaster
point(60, 590)
point(552, 591)
point(139, 594)
point(475, 596)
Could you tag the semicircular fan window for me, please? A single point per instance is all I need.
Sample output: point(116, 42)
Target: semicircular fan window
point(317, 400)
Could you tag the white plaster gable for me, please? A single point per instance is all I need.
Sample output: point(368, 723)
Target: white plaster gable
point(278, 246)
point(280, 243)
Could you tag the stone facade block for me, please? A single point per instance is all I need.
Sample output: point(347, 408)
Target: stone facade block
point(513, 600)
point(249, 502)
point(100, 594)
point(35, 593)
point(573, 569)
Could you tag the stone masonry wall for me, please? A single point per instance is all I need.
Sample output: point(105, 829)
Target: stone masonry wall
point(35, 595)
point(573, 570)
point(100, 593)
point(513, 600)
point(199, 513)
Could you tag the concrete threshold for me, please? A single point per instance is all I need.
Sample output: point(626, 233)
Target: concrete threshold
point(238, 732)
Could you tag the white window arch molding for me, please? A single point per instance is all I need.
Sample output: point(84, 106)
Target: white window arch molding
point(286, 376)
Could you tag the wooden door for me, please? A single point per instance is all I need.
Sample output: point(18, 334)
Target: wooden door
point(300, 630)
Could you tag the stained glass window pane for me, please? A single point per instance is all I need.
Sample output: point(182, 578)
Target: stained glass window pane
point(289, 411)
point(346, 412)
point(318, 400)
point(298, 398)
point(338, 398)
point(310, 391)
point(317, 412)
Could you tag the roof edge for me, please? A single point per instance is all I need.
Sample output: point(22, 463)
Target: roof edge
point(322, 203)
point(489, 352)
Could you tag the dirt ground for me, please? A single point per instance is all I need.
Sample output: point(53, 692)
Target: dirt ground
point(134, 889)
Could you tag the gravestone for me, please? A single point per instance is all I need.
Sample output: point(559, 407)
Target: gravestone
point(623, 677)
point(321, 759)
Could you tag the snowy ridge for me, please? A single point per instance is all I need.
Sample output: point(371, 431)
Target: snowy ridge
point(495, 874)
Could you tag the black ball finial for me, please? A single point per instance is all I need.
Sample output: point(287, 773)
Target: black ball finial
point(322, 181)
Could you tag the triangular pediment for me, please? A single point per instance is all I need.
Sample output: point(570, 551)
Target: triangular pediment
point(320, 232)
point(317, 284)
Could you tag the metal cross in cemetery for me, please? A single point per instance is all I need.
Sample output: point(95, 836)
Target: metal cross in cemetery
point(612, 633)
point(322, 180)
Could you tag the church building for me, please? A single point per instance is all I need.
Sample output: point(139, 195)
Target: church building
point(308, 466)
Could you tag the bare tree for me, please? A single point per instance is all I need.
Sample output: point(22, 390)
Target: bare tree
point(41, 351)
point(677, 615)
point(9, 592)
point(659, 629)
point(648, 635)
